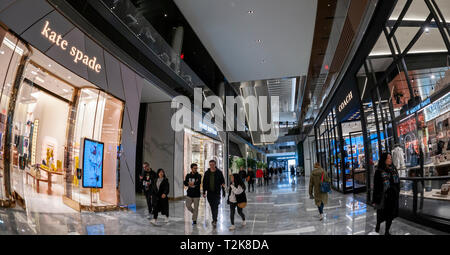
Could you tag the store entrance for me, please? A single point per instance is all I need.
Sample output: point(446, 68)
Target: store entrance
point(353, 158)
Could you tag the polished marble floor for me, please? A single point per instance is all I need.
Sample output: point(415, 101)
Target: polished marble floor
point(282, 208)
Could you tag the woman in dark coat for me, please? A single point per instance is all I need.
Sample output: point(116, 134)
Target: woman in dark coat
point(386, 192)
point(160, 190)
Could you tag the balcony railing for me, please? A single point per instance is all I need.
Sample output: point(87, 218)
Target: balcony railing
point(130, 16)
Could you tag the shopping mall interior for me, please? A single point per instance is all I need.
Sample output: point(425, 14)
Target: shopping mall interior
point(333, 114)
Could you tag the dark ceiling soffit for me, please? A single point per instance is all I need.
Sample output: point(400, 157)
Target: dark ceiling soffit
point(143, 49)
point(382, 12)
point(101, 39)
point(320, 39)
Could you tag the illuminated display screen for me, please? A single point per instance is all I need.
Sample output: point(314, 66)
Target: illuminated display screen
point(92, 164)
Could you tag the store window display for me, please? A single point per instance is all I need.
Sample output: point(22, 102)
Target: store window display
point(54, 110)
point(200, 149)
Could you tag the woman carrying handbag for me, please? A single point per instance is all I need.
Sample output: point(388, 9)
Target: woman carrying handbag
point(237, 199)
point(319, 186)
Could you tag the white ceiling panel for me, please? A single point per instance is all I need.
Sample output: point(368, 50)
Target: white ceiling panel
point(231, 29)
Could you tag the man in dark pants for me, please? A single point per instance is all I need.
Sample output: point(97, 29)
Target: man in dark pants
point(147, 177)
point(213, 182)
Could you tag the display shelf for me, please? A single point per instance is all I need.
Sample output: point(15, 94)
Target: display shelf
point(429, 194)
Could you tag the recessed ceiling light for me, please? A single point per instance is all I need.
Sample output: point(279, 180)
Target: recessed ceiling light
point(165, 14)
point(69, 77)
point(427, 30)
point(433, 77)
point(49, 65)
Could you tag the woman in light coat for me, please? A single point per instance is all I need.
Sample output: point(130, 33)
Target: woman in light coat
point(320, 199)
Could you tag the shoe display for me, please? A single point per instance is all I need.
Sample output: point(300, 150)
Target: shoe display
point(153, 221)
point(232, 227)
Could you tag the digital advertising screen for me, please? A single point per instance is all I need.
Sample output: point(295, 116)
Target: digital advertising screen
point(92, 160)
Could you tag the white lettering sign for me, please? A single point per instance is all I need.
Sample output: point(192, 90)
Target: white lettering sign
point(78, 55)
point(344, 103)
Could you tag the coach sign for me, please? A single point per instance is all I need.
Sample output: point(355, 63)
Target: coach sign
point(346, 101)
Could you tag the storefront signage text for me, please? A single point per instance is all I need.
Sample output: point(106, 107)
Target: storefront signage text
point(344, 103)
point(78, 55)
point(207, 128)
point(437, 108)
point(418, 107)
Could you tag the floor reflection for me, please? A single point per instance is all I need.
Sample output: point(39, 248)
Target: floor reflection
point(282, 207)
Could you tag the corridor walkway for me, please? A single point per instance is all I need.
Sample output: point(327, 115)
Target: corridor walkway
point(281, 208)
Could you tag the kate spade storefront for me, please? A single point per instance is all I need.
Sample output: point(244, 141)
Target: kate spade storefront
point(63, 115)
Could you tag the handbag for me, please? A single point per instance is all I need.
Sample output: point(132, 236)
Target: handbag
point(324, 186)
point(241, 200)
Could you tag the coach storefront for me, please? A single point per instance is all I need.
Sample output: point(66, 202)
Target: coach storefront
point(340, 144)
point(62, 115)
point(403, 86)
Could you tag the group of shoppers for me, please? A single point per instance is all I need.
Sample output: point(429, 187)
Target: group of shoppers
point(156, 190)
point(213, 185)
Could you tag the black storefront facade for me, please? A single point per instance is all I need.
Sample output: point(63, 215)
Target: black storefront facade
point(395, 97)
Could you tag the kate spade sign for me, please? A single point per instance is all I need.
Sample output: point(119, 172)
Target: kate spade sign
point(79, 57)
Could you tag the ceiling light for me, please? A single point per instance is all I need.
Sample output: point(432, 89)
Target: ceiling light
point(69, 77)
point(427, 30)
point(65, 90)
point(33, 73)
point(165, 15)
point(2, 52)
point(49, 65)
point(433, 77)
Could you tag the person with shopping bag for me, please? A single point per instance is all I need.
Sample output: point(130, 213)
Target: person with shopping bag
point(237, 199)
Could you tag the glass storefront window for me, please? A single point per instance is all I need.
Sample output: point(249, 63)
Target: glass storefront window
point(45, 148)
point(11, 52)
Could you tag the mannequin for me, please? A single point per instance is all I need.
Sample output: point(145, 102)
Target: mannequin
point(398, 157)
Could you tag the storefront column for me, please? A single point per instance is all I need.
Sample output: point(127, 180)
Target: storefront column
point(163, 147)
point(9, 124)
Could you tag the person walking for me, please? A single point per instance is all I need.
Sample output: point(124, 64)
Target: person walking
point(318, 175)
point(193, 181)
point(242, 173)
point(160, 190)
point(386, 192)
point(250, 179)
point(213, 182)
point(147, 178)
point(266, 177)
point(236, 196)
point(259, 176)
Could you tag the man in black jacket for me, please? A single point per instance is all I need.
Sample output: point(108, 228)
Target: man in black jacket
point(147, 177)
point(213, 182)
point(193, 181)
